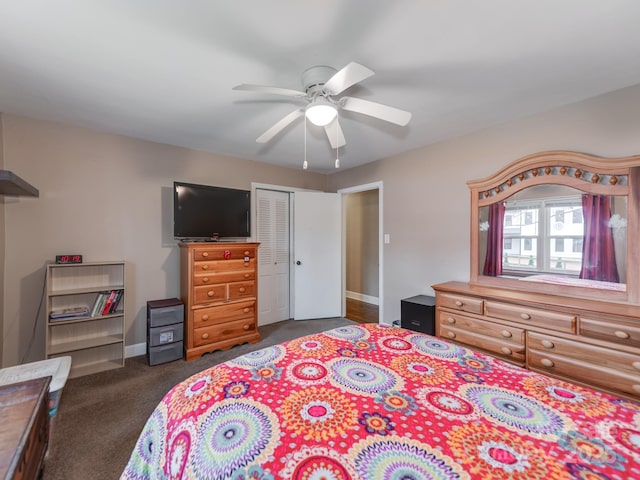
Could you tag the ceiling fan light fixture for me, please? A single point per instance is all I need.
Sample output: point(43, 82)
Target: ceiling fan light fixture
point(321, 112)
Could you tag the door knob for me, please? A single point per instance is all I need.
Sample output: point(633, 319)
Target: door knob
point(298, 262)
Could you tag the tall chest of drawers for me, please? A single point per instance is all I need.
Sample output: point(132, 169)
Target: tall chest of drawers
point(594, 343)
point(218, 284)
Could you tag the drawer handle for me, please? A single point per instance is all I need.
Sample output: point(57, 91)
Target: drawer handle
point(451, 320)
point(636, 365)
point(525, 316)
point(205, 336)
point(458, 303)
point(546, 362)
point(636, 388)
point(246, 327)
point(205, 254)
point(205, 317)
point(242, 289)
point(246, 253)
point(205, 279)
point(506, 350)
point(451, 335)
point(210, 293)
point(547, 344)
point(506, 334)
point(622, 334)
point(246, 310)
point(205, 267)
point(247, 275)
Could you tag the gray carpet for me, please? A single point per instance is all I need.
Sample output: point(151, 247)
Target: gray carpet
point(101, 415)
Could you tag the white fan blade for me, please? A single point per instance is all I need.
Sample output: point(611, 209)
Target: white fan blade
point(279, 126)
point(377, 110)
point(273, 90)
point(335, 135)
point(349, 75)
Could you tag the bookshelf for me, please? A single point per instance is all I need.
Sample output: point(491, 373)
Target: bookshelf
point(79, 321)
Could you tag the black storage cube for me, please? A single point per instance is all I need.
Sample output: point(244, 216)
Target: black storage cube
point(419, 314)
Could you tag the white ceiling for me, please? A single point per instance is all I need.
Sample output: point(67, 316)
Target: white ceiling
point(163, 70)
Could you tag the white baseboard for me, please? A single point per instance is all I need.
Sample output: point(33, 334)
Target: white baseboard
point(362, 297)
point(135, 350)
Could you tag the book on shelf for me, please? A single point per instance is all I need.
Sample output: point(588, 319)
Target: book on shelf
point(69, 313)
point(98, 304)
point(106, 302)
point(116, 301)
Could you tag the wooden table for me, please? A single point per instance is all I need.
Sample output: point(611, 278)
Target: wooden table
point(24, 431)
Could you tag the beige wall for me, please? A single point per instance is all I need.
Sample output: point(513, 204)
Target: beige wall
point(2, 236)
point(107, 197)
point(426, 200)
point(361, 209)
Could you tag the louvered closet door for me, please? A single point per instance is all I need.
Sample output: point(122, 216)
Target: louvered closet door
point(273, 271)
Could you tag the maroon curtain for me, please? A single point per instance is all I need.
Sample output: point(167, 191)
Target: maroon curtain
point(598, 253)
point(493, 260)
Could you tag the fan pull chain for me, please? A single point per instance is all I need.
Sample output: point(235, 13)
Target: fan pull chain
point(305, 165)
point(337, 143)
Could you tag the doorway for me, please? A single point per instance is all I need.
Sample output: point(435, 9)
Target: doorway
point(362, 253)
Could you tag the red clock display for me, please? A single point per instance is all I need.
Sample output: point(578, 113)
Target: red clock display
point(74, 258)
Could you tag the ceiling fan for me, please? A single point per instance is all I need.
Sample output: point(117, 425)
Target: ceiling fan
point(322, 88)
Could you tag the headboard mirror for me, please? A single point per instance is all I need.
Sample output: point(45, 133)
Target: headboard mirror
point(559, 222)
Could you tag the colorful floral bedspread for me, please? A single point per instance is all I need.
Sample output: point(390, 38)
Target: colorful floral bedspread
point(376, 402)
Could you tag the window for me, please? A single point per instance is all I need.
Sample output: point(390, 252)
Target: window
point(543, 236)
point(577, 215)
point(577, 245)
point(528, 218)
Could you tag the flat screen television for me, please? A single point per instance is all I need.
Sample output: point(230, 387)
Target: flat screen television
point(203, 212)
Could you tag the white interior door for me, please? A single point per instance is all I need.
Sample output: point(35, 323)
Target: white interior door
point(272, 224)
point(317, 255)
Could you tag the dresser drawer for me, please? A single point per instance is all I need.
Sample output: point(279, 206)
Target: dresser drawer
point(584, 352)
point(223, 331)
point(210, 293)
point(223, 313)
point(460, 302)
point(561, 322)
point(227, 253)
point(502, 348)
point(512, 335)
point(242, 289)
point(208, 278)
point(595, 374)
point(614, 330)
point(221, 266)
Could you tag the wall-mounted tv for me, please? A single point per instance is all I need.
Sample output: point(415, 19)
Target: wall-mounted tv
point(206, 212)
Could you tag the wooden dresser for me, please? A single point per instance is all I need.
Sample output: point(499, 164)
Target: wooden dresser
point(590, 342)
point(218, 284)
point(24, 435)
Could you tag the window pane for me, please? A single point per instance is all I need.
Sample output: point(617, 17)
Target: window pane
point(577, 215)
point(559, 244)
point(577, 245)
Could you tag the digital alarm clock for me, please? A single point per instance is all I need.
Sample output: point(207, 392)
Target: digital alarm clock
point(63, 259)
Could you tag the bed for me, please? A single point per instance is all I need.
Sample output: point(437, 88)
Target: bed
point(380, 402)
